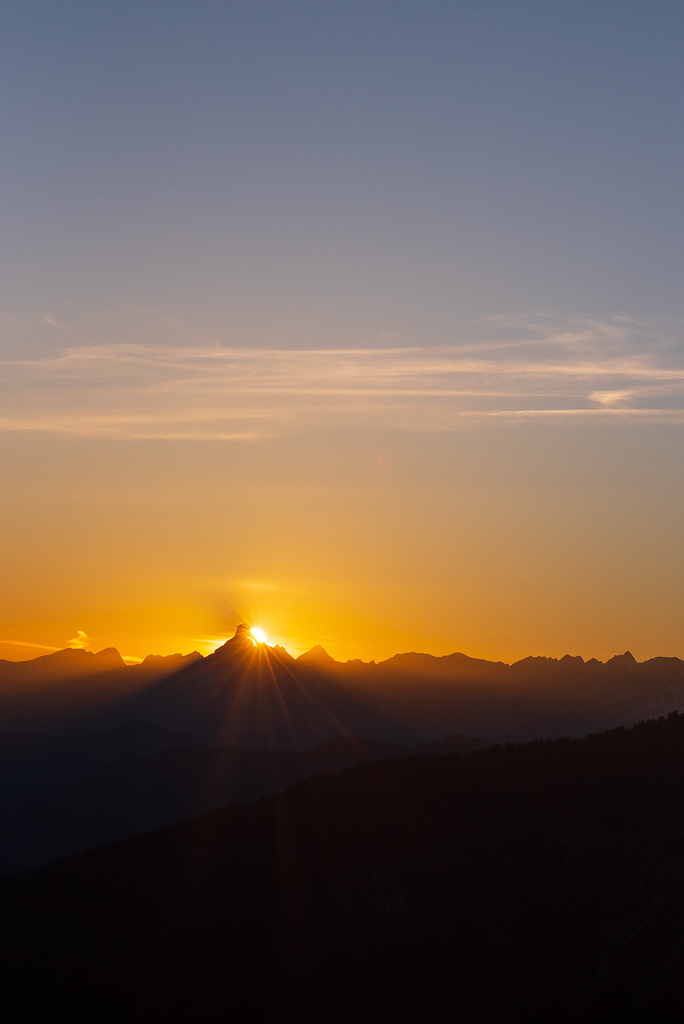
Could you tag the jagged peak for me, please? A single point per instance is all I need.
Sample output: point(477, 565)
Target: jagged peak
point(622, 660)
point(107, 654)
point(241, 638)
point(170, 659)
point(282, 652)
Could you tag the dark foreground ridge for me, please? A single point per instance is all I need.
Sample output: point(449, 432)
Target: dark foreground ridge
point(536, 882)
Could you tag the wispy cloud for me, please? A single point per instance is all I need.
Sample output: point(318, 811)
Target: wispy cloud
point(574, 368)
point(79, 642)
point(25, 643)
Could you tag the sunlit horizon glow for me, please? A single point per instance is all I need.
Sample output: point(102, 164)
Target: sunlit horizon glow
point(500, 538)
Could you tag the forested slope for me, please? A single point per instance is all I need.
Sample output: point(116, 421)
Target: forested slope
point(543, 881)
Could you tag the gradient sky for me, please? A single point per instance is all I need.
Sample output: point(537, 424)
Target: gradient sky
point(361, 322)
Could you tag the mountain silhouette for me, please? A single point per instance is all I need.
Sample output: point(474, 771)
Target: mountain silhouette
point(57, 690)
point(66, 664)
point(534, 697)
point(541, 881)
point(249, 695)
point(252, 695)
point(534, 882)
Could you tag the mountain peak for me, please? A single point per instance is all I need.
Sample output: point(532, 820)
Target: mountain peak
point(318, 657)
point(77, 657)
point(241, 638)
point(627, 656)
point(622, 662)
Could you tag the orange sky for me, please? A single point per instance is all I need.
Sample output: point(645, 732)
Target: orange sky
point(499, 538)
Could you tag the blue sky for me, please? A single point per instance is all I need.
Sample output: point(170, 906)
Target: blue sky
point(310, 173)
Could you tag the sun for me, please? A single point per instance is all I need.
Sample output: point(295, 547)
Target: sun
point(258, 635)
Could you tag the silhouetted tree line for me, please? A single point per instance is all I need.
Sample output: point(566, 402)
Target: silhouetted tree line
point(542, 881)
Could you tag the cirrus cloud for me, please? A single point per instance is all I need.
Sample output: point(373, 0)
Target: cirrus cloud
point(576, 368)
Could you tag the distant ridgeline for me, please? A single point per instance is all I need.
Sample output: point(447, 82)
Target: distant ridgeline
point(261, 697)
point(534, 882)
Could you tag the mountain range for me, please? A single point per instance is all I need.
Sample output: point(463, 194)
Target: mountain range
point(246, 695)
point(376, 846)
point(93, 750)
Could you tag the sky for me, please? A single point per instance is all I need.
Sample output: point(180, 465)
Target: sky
point(361, 323)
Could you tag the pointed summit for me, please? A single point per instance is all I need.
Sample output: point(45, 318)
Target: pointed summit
point(241, 640)
point(318, 657)
point(622, 663)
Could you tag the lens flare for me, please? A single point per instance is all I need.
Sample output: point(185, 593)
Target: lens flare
point(258, 635)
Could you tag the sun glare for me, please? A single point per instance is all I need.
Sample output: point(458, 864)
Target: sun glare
point(258, 635)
